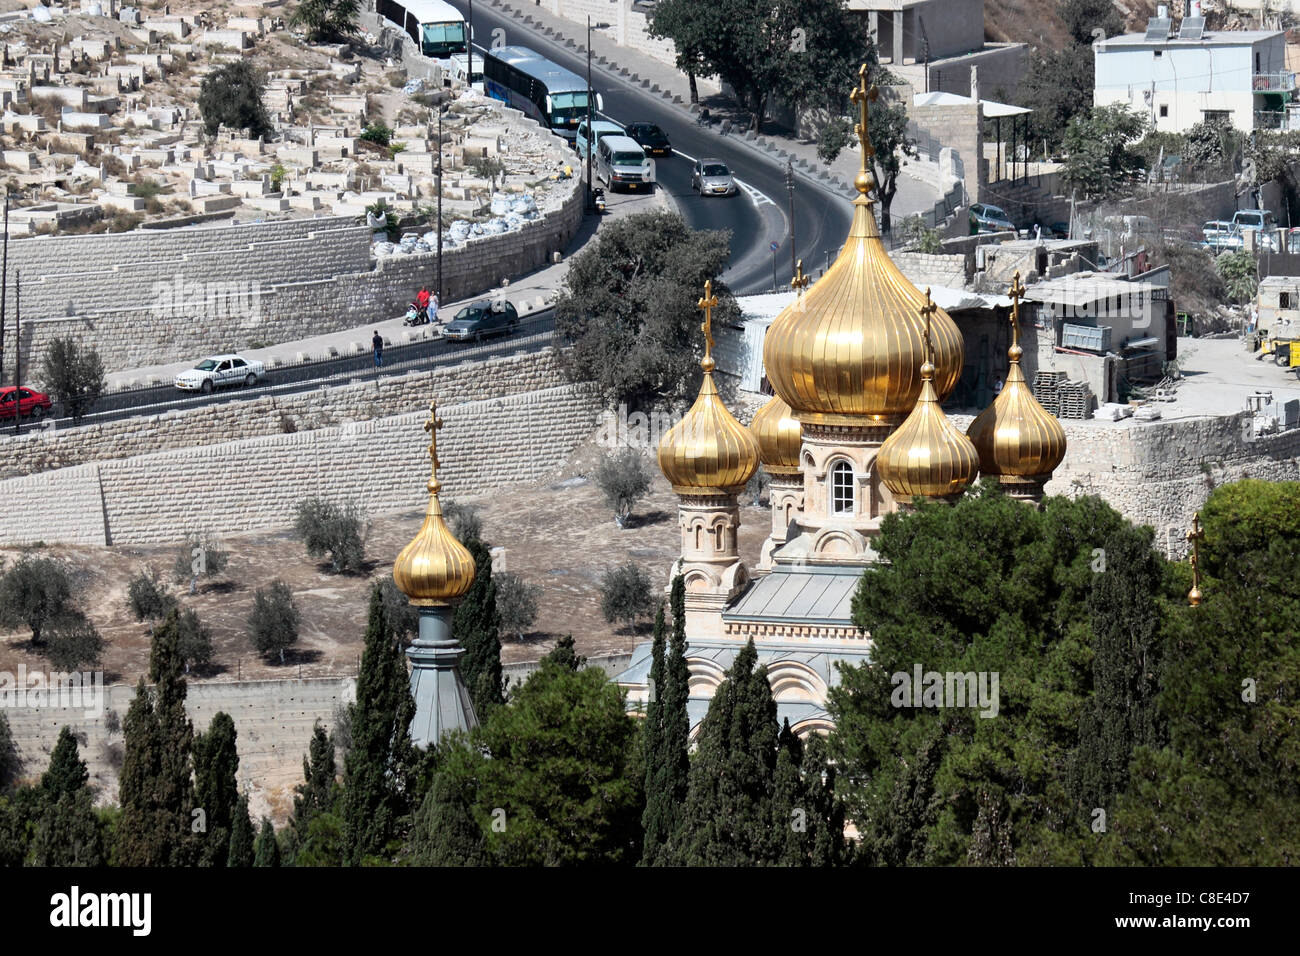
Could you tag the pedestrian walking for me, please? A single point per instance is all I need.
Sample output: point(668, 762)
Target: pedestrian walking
point(377, 343)
point(433, 308)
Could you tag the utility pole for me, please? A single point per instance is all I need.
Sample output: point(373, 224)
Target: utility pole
point(789, 185)
point(439, 181)
point(4, 275)
point(469, 48)
point(18, 352)
point(591, 202)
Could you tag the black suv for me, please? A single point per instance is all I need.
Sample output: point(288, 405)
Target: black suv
point(481, 320)
point(650, 138)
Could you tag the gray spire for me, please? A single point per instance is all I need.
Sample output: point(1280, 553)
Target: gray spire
point(442, 701)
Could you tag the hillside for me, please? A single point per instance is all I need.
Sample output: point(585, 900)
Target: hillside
point(1038, 23)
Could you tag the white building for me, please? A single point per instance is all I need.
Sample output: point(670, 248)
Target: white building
point(1236, 75)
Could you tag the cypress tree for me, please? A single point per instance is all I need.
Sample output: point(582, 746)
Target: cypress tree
point(677, 725)
point(565, 655)
point(656, 820)
point(826, 843)
point(67, 833)
point(11, 764)
point(729, 804)
point(316, 793)
point(477, 626)
point(67, 773)
point(241, 836)
point(445, 831)
point(790, 804)
point(378, 764)
point(266, 851)
point(216, 762)
point(156, 788)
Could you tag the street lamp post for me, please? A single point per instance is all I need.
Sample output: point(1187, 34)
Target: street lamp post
point(591, 203)
point(789, 185)
point(439, 182)
point(4, 275)
point(469, 49)
point(18, 352)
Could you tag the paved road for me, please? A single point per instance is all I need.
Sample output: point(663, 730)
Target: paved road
point(821, 217)
point(534, 334)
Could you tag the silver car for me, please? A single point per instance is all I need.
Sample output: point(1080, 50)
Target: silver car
point(711, 177)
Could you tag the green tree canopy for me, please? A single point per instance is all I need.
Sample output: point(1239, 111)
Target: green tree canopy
point(476, 623)
point(231, 96)
point(1099, 161)
point(629, 311)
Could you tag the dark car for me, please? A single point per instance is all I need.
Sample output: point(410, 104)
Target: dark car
point(29, 402)
point(650, 138)
point(481, 320)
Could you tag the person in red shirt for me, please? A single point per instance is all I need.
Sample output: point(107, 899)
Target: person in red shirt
point(422, 303)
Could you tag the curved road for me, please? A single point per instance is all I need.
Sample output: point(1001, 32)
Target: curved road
point(821, 217)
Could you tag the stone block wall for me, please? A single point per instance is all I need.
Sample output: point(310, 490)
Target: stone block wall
point(287, 280)
point(254, 483)
point(958, 127)
point(43, 451)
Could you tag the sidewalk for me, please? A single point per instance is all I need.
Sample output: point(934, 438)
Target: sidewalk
point(632, 68)
point(529, 293)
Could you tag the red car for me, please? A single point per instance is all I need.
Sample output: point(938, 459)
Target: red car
point(30, 403)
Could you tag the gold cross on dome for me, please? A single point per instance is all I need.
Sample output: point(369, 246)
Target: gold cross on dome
point(431, 426)
point(800, 281)
point(1194, 536)
point(863, 96)
point(708, 304)
point(1017, 292)
point(928, 310)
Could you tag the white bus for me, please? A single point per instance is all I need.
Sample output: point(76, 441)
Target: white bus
point(435, 26)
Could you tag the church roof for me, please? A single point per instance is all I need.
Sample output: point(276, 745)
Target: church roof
point(806, 595)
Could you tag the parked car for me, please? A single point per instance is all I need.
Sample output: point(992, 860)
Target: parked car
point(221, 371)
point(599, 128)
point(986, 218)
point(29, 402)
point(481, 320)
point(1262, 223)
point(652, 139)
point(711, 177)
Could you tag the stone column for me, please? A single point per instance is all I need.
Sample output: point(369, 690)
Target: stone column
point(898, 37)
point(710, 561)
point(785, 495)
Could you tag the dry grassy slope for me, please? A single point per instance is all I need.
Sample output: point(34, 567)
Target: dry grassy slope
point(1038, 23)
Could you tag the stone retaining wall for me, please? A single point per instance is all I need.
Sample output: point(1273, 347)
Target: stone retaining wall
point(120, 293)
point(255, 483)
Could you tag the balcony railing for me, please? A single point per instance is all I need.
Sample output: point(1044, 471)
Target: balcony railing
point(1271, 119)
point(1274, 83)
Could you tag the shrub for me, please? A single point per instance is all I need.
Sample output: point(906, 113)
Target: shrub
point(327, 19)
point(625, 594)
point(327, 528)
point(73, 375)
point(147, 597)
point(914, 232)
point(377, 133)
point(34, 592)
point(489, 168)
point(624, 480)
point(1237, 270)
point(273, 622)
point(278, 174)
point(516, 603)
point(195, 643)
point(73, 642)
point(463, 520)
point(832, 139)
point(201, 554)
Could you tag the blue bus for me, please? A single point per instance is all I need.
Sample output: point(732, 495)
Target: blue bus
point(527, 81)
point(435, 26)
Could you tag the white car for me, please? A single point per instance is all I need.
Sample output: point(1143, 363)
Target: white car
point(220, 371)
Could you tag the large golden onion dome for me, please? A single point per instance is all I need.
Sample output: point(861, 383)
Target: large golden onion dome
point(780, 437)
point(851, 347)
point(708, 452)
point(927, 455)
point(434, 568)
point(1016, 436)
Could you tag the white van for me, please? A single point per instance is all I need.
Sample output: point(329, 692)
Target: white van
point(599, 128)
point(620, 161)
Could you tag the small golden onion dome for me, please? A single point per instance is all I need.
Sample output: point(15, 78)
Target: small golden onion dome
point(927, 455)
point(708, 452)
point(434, 568)
point(780, 437)
point(850, 346)
point(1016, 436)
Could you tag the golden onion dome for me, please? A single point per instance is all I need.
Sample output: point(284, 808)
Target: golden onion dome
point(1016, 436)
point(927, 455)
point(708, 452)
point(779, 436)
point(851, 346)
point(434, 568)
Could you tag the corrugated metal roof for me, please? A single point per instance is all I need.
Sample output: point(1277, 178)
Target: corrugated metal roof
point(819, 595)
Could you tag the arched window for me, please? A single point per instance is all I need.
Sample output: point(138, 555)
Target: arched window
point(718, 533)
point(842, 493)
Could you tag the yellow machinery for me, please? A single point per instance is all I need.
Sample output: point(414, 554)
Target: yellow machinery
point(1285, 352)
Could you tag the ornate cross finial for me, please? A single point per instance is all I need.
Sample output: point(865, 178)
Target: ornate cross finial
point(708, 304)
point(927, 311)
point(863, 96)
point(800, 281)
point(431, 426)
point(1194, 536)
point(1017, 292)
